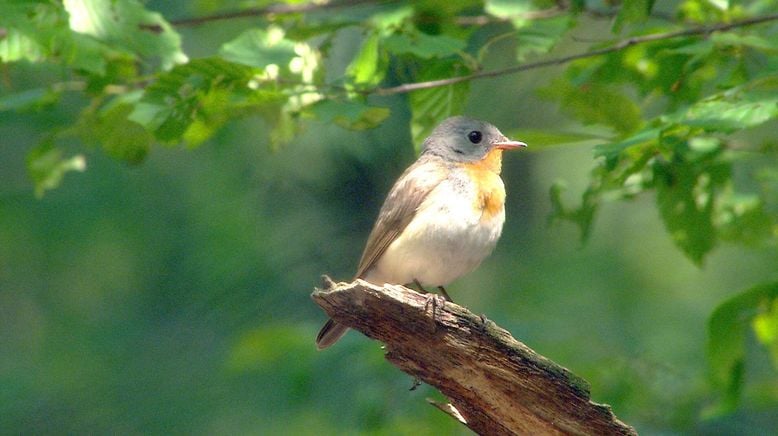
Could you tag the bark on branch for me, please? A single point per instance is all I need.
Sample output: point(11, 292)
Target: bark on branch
point(496, 384)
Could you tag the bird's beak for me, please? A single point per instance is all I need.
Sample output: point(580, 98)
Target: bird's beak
point(507, 144)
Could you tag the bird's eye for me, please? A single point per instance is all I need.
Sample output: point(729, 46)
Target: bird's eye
point(474, 136)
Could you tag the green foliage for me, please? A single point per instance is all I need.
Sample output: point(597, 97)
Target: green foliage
point(752, 311)
point(672, 111)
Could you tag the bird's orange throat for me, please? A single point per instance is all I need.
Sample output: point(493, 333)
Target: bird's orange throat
point(492, 161)
point(491, 192)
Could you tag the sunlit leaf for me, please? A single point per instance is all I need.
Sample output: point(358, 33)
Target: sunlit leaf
point(127, 24)
point(179, 97)
point(259, 48)
point(47, 166)
point(727, 329)
point(369, 65)
point(729, 112)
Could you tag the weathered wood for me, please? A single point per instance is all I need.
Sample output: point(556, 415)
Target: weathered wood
point(495, 383)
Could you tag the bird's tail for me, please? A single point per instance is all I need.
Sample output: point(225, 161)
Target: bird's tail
point(329, 334)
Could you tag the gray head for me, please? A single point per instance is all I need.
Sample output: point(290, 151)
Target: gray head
point(462, 139)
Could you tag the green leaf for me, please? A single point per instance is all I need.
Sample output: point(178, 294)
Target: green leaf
point(742, 218)
point(423, 45)
point(740, 40)
point(612, 151)
point(730, 111)
point(259, 48)
point(727, 329)
point(509, 9)
point(128, 25)
point(15, 46)
point(39, 31)
point(47, 167)
point(685, 196)
point(36, 97)
point(540, 36)
point(632, 11)
point(111, 129)
point(765, 326)
point(596, 103)
point(539, 139)
point(431, 106)
point(201, 91)
point(582, 216)
point(369, 66)
point(349, 114)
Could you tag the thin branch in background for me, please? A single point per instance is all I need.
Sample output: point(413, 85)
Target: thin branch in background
point(705, 30)
point(480, 20)
point(274, 9)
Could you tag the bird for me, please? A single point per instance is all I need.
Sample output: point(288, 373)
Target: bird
point(442, 217)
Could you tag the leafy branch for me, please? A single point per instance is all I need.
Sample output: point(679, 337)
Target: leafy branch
point(621, 45)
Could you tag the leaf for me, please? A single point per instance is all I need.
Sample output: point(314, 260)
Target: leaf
point(582, 216)
point(596, 103)
point(730, 112)
point(765, 326)
point(612, 150)
point(15, 46)
point(39, 31)
point(431, 106)
point(47, 167)
point(509, 9)
point(540, 36)
point(259, 48)
point(742, 218)
point(423, 45)
point(632, 11)
point(727, 329)
point(190, 93)
point(349, 114)
point(36, 97)
point(685, 196)
point(128, 25)
point(540, 139)
point(111, 129)
point(369, 65)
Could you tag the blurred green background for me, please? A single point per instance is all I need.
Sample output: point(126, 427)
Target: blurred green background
point(173, 296)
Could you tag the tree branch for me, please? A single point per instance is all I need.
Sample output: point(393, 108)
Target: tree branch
point(704, 30)
point(274, 9)
point(495, 384)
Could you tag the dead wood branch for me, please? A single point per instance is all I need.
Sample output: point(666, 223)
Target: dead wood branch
point(496, 384)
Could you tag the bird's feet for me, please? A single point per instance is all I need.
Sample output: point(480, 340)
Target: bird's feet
point(444, 293)
point(432, 301)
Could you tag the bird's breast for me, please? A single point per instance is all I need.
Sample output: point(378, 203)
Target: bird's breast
point(488, 190)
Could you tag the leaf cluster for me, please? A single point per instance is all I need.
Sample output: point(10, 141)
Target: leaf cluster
point(665, 95)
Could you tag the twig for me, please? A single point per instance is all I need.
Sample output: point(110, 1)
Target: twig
point(409, 87)
point(274, 9)
point(495, 384)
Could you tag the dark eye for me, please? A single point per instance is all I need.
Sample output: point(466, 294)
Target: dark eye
point(474, 136)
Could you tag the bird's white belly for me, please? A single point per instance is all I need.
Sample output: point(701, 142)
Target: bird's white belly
point(446, 239)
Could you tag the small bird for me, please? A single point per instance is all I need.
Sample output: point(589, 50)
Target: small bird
point(442, 217)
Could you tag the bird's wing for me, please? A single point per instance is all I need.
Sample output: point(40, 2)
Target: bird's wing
point(400, 207)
